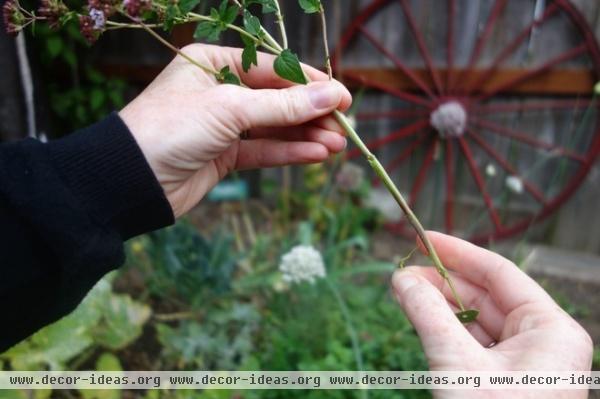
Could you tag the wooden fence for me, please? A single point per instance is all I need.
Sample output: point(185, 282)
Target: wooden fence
point(575, 226)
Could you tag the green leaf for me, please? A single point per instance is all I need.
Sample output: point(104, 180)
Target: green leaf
point(122, 322)
point(467, 316)
point(249, 56)
point(210, 31)
point(187, 5)
point(171, 15)
point(106, 362)
point(97, 99)
point(288, 67)
point(54, 44)
point(268, 6)
point(251, 23)
point(229, 15)
point(310, 6)
point(225, 76)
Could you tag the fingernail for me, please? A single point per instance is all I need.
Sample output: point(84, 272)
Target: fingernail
point(323, 95)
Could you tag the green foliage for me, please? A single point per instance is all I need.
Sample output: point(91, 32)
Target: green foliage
point(186, 265)
point(288, 67)
point(310, 6)
point(268, 6)
point(211, 30)
point(225, 76)
point(104, 318)
point(596, 359)
point(106, 362)
point(223, 340)
point(87, 95)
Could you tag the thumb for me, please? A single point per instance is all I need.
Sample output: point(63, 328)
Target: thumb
point(292, 106)
point(440, 331)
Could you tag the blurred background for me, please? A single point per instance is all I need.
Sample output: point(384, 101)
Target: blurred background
point(484, 112)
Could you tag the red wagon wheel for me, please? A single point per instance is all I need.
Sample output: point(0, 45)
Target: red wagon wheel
point(498, 129)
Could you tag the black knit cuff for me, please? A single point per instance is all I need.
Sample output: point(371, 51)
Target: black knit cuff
point(105, 169)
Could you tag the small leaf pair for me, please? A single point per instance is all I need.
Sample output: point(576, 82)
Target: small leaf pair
point(222, 17)
point(311, 6)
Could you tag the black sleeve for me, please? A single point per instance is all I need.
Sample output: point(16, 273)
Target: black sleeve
point(65, 209)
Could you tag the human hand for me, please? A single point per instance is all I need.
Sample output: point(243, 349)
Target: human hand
point(519, 328)
point(188, 126)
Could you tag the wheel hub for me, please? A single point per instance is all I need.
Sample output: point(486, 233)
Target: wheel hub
point(449, 119)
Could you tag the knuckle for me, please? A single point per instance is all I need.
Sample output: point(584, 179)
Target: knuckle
point(292, 106)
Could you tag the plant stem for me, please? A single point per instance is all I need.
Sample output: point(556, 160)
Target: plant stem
point(326, 41)
point(121, 25)
point(349, 326)
point(389, 184)
point(170, 46)
point(268, 45)
point(281, 25)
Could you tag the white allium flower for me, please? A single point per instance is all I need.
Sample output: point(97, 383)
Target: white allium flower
point(350, 177)
point(302, 263)
point(381, 200)
point(98, 18)
point(352, 121)
point(514, 184)
point(490, 170)
point(449, 119)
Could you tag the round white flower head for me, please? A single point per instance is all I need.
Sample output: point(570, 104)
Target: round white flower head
point(449, 119)
point(490, 170)
point(302, 263)
point(514, 184)
point(350, 177)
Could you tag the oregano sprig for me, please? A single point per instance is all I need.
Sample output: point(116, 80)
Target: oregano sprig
point(98, 17)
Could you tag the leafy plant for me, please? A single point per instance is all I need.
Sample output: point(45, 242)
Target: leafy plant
point(104, 319)
point(81, 95)
point(188, 266)
point(163, 13)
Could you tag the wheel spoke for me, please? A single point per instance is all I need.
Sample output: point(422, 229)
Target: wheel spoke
point(534, 191)
point(567, 55)
point(422, 175)
point(399, 134)
point(532, 106)
point(480, 184)
point(527, 139)
point(390, 90)
point(397, 62)
point(421, 44)
point(449, 186)
point(450, 44)
point(497, 9)
point(551, 10)
point(393, 114)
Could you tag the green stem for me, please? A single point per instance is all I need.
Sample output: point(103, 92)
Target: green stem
point(389, 184)
point(349, 326)
point(173, 48)
point(266, 44)
point(281, 25)
point(326, 42)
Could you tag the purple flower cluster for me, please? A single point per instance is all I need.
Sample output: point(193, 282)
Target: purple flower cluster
point(107, 7)
point(136, 7)
point(86, 27)
point(12, 17)
point(52, 11)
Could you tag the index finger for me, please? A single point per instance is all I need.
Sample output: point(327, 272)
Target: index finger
point(508, 285)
